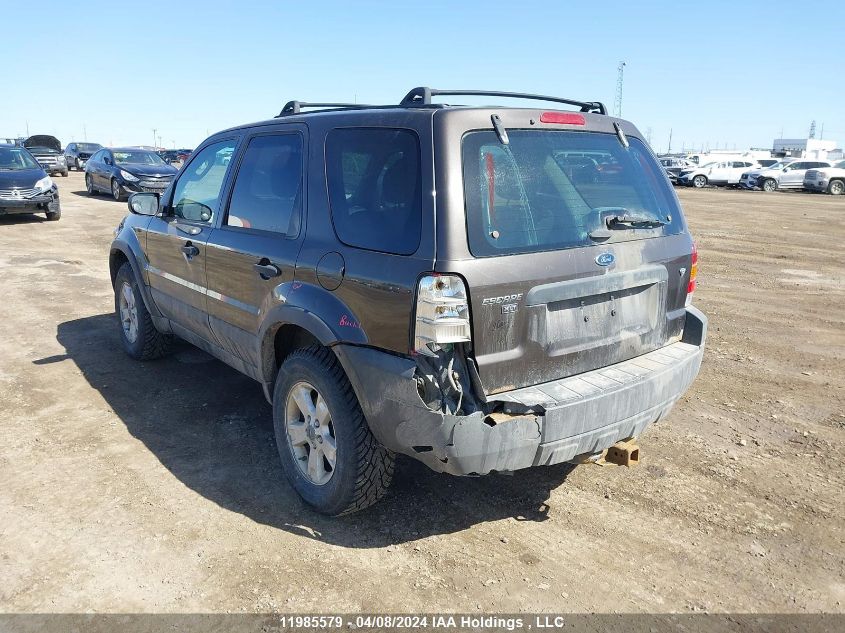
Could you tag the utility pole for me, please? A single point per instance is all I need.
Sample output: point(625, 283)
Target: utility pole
point(154, 137)
point(84, 133)
point(812, 129)
point(670, 141)
point(617, 104)
point(821, 133)
point(648, 135)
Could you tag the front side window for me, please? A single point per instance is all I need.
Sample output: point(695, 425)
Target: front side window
point(268, 189)
point(375, 188)
point(197, 191)
point(538, 193)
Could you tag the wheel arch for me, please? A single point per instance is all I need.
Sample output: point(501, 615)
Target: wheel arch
point(121, 253)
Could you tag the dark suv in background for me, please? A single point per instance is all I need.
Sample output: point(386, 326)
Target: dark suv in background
point(453, 283)
point(77, 154)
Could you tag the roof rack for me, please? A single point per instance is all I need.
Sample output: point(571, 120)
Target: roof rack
point(423, 95)
point(295, 107)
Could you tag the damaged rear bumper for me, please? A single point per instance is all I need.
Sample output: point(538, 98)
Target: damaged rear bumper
point(570, 417)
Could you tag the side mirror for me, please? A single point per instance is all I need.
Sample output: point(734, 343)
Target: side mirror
point(146, 203)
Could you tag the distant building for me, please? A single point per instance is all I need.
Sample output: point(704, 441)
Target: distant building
point(805, 148)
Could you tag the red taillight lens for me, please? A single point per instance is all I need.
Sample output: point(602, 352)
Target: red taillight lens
point(693, 271)
point(567, 118)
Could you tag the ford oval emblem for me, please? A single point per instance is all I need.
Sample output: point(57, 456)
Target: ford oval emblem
point(605, 259)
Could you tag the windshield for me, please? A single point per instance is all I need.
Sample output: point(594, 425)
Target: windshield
point(88, 147)
point(840, 164)
point(12, 158)
point(137, 157)
point(530, 195)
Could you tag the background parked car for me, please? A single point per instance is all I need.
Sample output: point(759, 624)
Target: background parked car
point(748, 180)
point(726, 172)
point(123, 170)
point(830, 179)
point(674, 166)
point(24, 185)
point(77, 154)
point(47, 150)
point(790, 176)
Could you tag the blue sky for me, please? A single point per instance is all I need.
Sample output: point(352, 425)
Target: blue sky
point(722, 74)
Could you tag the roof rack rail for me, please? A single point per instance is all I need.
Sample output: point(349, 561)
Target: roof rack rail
point(423, 95)
point(295, 107)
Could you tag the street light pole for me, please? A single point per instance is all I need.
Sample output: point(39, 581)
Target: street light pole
point(154, 137)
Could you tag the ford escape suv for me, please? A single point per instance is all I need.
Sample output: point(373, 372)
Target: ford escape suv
point(454, 283)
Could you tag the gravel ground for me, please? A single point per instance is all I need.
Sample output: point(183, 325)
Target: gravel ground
point(155, 487)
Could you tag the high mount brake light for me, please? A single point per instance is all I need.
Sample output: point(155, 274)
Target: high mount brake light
point(442, 313)
point(567, 118)
point(693, 273)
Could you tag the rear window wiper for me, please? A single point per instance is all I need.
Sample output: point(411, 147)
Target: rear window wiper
point(621, 218)
point(633, 221)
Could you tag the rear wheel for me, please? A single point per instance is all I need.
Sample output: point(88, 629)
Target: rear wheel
point(140, 338)
point(699, 181)
point(769, 184)
point(836, 187)
point(328, 453)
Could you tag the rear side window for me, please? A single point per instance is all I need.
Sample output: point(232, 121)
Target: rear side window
point(268, 190)
point(374, 188)
point(549, 189)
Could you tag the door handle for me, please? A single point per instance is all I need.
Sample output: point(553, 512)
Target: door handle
point(266, 270)
point(190, 250)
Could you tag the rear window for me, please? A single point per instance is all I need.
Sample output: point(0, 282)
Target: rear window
point(374, 188)
point(547, 190)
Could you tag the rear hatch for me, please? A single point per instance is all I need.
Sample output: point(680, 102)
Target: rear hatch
point(579, 256)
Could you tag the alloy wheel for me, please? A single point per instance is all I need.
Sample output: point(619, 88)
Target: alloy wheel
point(837, 188)
point(310, 433)
point(128, 312)
point(115, 190)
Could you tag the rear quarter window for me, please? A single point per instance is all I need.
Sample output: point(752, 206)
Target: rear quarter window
point(374, 186)
point(549, 189)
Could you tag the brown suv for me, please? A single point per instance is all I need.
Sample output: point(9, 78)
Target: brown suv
point(481, 288)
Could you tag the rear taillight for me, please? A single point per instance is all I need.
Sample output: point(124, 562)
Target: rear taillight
point(442, 313)
point(693, 273)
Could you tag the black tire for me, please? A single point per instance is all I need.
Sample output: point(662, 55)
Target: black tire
point(836, 187)
point(89, 185)
point(76, 164)
point(699, 181)
point(117, 191)
point(149, 343)
point(54, 214)
point(769, 185)
point(363, 468)
point(65, 173)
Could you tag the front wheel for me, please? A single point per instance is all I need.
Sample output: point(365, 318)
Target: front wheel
point(699, 181)
point(140, 338)
point(89, 185)
point(769, 184)
point(328, 453)
point(836, 187)
point(116, 191)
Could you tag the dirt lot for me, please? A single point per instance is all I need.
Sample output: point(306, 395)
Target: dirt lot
point(156, 486)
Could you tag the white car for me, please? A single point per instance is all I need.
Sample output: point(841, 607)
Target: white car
point(831, 180)
point(782, 175)
point(726, 172)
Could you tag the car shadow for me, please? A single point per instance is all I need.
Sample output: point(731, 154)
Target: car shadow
point(211, 427)
point(22, 218)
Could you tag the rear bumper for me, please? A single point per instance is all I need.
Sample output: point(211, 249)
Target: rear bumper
point(574, 416)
